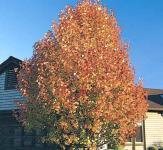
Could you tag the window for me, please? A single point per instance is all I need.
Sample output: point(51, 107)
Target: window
point(13, 136)
point(17, 140)
point(10, 79)
point(139, 134)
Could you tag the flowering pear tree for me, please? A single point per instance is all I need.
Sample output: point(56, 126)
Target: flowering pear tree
point(79, 84)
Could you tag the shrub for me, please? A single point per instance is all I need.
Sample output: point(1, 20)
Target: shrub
point(152, 148)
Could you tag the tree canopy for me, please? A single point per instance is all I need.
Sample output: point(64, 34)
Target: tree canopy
point(79, 84)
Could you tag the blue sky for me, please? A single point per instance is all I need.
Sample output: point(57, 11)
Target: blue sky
point(23, 22)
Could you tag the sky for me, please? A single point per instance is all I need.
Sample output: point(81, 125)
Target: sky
point(24, 22)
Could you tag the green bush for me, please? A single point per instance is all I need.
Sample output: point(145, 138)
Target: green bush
point(119, 148)
point(152, 148)
point(161, 148)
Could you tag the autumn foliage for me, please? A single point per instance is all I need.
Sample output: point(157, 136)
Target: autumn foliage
point(79, 84)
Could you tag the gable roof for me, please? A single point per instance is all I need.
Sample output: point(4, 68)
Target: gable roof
point(152, 106)
point(153, 91)
point(10, 61)
point(155, 99)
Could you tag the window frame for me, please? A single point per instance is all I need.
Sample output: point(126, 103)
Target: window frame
point(137, 143)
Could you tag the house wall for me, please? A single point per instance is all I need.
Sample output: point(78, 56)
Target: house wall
point(154, 129)
point(137, 147)
point(14, 137)
point(128, 146)
point(7, 97)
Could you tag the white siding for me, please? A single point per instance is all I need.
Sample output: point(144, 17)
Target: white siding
point(141, 147)
point(154, 129)
point(7, 97)
point(128, 147)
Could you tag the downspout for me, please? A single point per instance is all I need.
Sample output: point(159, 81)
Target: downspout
point(144, 137)
point(133, 143)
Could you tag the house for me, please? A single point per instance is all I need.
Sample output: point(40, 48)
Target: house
point(13, 136)
point(150, 133)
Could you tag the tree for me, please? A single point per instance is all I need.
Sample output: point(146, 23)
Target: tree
point(79, 84)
